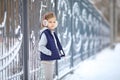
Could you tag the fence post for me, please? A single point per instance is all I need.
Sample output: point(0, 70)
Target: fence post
point(112, 21)
point(25, 42)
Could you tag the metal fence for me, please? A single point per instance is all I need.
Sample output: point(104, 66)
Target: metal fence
point(81, 30)
point(11, 40)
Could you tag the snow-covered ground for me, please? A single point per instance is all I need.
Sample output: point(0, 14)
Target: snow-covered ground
point(103, 66)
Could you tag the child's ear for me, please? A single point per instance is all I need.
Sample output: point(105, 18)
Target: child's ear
point(45, 22)
point(56, 23)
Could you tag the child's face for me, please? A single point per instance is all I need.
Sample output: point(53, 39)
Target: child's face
point(52, 23)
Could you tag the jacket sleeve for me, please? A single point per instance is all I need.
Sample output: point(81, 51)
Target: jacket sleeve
point(42, 45)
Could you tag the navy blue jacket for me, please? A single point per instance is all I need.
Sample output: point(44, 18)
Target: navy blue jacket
point(52, 47)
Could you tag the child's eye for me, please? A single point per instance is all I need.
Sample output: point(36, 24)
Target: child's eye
point(50, 21)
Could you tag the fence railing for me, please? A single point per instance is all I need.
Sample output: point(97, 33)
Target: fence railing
point(81, 30)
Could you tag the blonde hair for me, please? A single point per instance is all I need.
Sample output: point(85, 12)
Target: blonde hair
point(47, 16)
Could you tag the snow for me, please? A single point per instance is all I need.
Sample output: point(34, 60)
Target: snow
point(4, 21)
point(104, 65)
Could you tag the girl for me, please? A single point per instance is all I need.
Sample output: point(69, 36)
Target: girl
point(49, 45)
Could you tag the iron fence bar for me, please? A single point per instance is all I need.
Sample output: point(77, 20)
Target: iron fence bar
point(25, 42)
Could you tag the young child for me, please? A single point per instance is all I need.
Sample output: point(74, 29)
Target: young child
point(49, 45)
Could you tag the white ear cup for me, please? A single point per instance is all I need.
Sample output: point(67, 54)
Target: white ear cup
point(45, 23)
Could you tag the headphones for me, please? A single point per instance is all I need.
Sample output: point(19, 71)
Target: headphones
point(45, 23)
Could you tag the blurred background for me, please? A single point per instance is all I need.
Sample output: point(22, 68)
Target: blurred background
point(110, 9)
